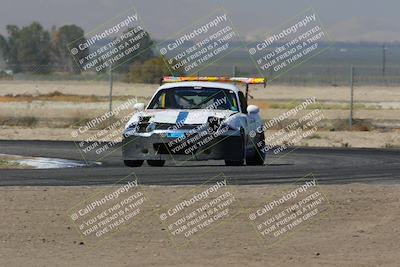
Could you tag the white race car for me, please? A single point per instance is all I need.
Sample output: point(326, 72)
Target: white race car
point(195, 118)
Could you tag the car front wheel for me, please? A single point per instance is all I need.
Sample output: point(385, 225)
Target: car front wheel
point(242, 149)
point(259, 153)
point(133, 163)
point(234, 162)
point(156, 163)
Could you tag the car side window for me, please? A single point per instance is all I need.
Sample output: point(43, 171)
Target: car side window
point(243, 102)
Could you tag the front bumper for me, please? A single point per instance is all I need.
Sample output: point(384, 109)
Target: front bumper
point(157, 146)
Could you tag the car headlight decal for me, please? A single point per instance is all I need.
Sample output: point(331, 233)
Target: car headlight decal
point(231, 123)
point(151, 127)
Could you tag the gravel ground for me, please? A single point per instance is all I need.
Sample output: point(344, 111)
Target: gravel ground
point(361, 229)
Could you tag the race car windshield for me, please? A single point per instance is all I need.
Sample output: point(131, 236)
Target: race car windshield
point(193, 98)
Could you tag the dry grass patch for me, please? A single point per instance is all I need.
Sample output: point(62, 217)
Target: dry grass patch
point(53, 96)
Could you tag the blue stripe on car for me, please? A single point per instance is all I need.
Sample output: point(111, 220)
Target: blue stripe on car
point(182, 117)
point(175, 135)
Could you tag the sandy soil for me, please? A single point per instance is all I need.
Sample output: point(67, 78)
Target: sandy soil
point(75, 87)
point(386, 99)
point(353, 139)
point(361, 229)
point(52, 120)
point(47, 109)
point(272, 92)
point(320, 139)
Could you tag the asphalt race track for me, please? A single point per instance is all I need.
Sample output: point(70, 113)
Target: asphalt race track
point(328, 165)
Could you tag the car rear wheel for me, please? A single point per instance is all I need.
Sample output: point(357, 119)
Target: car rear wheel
point(156, 163)
point(133, 163)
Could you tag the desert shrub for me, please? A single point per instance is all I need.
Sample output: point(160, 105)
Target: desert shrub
point(149, 71)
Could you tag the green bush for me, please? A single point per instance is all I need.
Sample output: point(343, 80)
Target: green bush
point(150, 71)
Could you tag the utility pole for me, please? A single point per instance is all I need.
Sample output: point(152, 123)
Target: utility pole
point(234, 71)
point(111, 86)
point(351, 95)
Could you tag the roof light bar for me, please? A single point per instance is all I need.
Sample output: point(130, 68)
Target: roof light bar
point(174, 79)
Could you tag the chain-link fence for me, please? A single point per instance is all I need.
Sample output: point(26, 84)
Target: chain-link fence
point(374, 65)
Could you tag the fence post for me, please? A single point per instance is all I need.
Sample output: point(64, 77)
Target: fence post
point(111, 86)
point(383, 60)
point(351, 95)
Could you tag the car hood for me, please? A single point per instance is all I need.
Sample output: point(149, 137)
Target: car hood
point(173, 116)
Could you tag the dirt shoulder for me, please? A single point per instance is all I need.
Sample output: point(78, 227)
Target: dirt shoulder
point(271, 92)
point(361, 229)
point(51, 110)
point(371, 139)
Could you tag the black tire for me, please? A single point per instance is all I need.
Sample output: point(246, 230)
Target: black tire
point(241, 161)
point(234, 162)
point(133, 163)
point(258, 157)
point(156, 163)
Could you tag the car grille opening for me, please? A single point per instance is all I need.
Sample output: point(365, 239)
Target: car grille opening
point(163, 149)
point(166, 126)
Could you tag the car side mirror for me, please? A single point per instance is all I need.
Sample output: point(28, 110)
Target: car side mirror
point(138, 106)
point(252, 109)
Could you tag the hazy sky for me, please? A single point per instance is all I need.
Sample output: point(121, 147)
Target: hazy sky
point(345, 20)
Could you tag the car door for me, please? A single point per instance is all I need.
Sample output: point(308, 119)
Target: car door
point(252, 121)
point(248, 122)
